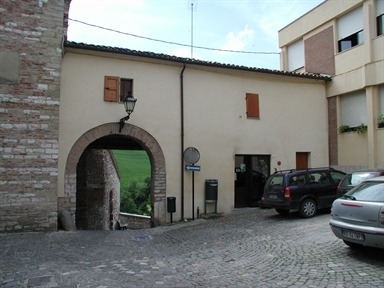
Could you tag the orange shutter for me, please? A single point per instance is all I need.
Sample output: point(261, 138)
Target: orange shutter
point(111, 88)
point(253, 105)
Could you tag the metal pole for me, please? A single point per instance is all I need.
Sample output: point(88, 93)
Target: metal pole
point(193, 195)
point(191, 30)
point(182, 138)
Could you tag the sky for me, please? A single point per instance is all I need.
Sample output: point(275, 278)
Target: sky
point(171, 27)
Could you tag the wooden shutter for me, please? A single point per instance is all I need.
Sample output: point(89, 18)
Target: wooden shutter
point(253, 105)
point(111, 88)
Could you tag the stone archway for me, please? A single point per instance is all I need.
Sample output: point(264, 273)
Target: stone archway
point(149, 144)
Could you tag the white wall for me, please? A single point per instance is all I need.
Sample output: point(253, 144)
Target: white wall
point(293, 117)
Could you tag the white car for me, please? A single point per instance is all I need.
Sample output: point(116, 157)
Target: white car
point(358, 217)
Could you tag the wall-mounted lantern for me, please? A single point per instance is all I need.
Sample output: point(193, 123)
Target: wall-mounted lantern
point(129, 105)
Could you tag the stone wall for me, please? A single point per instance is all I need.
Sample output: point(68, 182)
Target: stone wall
point(136, 221)
point(98, 191)
point(31, 35)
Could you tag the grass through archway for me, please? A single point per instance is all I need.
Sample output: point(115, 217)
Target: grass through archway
point(135, 171)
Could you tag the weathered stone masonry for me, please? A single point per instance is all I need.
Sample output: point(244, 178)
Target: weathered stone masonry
point(31, 36)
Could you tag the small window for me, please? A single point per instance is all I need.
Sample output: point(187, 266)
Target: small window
point(117, 89)
point(380, 17)
point(350, 29)
point(252, 105)
point(351, 41)
point(297, 180)
point(337, 176)
point(296, 55)
point(353, 108)
point(319, 177)
point(125, 89)
point(275, 181)
point(380, 25)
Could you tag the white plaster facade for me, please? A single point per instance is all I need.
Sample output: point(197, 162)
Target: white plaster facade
point(292, 116)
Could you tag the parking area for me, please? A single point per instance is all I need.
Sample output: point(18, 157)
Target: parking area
point(250, 247)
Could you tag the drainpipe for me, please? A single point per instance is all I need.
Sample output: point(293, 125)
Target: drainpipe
point(182, 139)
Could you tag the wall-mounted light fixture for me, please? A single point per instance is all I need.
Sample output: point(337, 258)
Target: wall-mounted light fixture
point(129, 105)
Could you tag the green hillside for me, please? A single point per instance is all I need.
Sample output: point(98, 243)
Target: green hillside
point(134, 165)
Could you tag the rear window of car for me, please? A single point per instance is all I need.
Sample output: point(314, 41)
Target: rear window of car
point(337, 176)
point(275, 181)
point(369, 191)
point(355, 179)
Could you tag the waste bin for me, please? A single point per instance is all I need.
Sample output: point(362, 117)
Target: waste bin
point(211, 190)
point(171, 204)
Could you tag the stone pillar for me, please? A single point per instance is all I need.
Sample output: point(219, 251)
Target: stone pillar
point(31, 34)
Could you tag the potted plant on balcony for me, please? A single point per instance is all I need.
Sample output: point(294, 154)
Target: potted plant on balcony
point(380, 121)
point(362, 129)
point(344, 129)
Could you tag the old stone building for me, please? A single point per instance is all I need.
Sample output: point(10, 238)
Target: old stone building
point(31, 39)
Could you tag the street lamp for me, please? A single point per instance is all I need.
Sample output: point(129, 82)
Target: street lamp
point(129, 105)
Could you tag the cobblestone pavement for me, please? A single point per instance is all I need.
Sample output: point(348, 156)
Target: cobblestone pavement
point(249, 247)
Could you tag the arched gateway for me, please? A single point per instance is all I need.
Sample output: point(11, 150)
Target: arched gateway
point(145, 140)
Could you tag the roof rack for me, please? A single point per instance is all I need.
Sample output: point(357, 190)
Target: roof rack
point(303, 169)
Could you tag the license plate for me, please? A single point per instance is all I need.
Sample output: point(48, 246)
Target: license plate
point(353, 235)
point(273, 196)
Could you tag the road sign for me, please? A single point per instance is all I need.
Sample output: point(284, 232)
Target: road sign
point(194, 168)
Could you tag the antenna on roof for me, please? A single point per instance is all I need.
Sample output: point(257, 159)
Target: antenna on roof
point(192, 5)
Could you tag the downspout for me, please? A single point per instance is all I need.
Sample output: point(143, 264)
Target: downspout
point(182, 139)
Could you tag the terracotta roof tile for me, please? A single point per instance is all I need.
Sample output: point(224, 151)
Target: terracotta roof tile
point(125, 51)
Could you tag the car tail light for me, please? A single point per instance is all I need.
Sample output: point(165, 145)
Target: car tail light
point(351, 205)
point(380, 174)
point(287, 194)
point(382, 213)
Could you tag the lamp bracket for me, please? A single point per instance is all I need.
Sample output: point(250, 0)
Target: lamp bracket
point(122, 122)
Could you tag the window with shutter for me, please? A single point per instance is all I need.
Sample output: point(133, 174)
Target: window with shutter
point(252, 101)
point(296, 55)
point(117, 89)
point(350, 29)
point(353, 108)
point(111, 88)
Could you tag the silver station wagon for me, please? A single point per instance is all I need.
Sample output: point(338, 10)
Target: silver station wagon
point(358, 217)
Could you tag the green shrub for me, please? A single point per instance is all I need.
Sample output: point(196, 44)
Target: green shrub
point(136, 199)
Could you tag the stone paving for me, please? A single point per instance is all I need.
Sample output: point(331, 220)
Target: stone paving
point(249, 247)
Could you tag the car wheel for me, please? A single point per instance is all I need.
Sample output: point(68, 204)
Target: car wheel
point(352, 245)
point(308, 208)
point(281, 211)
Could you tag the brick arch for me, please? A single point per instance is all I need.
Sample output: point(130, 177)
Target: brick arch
point(149, 144)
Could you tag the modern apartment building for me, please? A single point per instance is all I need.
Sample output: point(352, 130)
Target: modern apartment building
point(344, 39)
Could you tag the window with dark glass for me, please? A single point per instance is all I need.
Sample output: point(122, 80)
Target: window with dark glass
point(117, 89)
point(351, 41)
point(380, 17)
point(350, 29)
point(125, 89)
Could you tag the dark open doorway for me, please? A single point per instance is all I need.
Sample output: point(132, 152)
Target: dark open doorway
point(251, 172)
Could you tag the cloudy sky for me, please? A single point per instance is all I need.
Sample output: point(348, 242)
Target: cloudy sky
point(165, 26)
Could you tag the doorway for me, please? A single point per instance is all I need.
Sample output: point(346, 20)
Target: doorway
point(251, 172)
point(301, 160)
